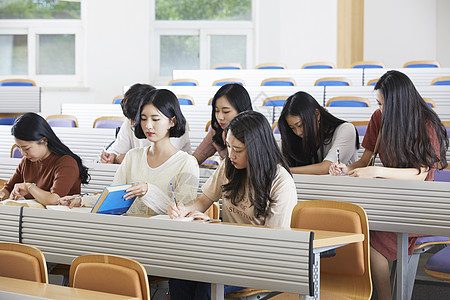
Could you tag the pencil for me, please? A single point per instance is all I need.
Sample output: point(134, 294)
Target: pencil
point(173, 194)
point(338, 154)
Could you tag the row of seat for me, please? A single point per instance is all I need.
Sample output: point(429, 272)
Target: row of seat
point(329, 65)
point(71, 121)
point(278, 81)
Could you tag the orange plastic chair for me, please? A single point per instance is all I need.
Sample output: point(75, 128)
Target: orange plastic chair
point(318, 65)
point(17, 82)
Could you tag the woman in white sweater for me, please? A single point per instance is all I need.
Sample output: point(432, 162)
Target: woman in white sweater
point(153, 169)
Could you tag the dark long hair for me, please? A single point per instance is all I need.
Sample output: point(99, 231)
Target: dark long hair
point(238, 97)
point(304, 151)
point(406, 118)
point(167, 103)
point(32, 127)
point(263, 156)
point(132, 98)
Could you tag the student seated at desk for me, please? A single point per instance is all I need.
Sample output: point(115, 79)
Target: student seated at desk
point(48, 169)
point(229, 100)
point(154, 168)
point(126, 138)
point(411, 141)
point(253, 182)
point(311, 136)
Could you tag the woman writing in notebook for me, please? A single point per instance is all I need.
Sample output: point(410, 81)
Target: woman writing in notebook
point(411, 141)
point(229, 100)
point(48, 170)
point(153, 169)
point(311, 136)
point(253, 182)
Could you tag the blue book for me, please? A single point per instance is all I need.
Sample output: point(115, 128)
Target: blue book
point(111, 201)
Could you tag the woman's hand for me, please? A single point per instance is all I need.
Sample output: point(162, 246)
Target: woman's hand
point(337, 169)
point(70, 201)
point(176, 211)
point(20, 190)
point(198, 216)
point(3, 195)
point(107, 158)
point(367, 172)
point(136, 190)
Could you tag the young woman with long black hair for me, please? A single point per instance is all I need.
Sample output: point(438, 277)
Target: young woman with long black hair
point(311, 136)
point(49, 169)
point(253, 182)
point(412, 144)
point(228, 101)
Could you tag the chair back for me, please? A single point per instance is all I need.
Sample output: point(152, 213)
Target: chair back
point(185, 100)
point(348, 101)
point(15, 152)
point(372, 82)
point(430, 102)
point(228, 66)
point(17, 82)
point(7, 121)
point(183, 82)
point(222, 82)
point(275, 128)
point(108, 122)
point(213, 211)
point(318, 65)
point(348, 272)
point(442, 175)
point(361, 127)
point(422, 64)
point(22, 262)
point(275, 101)
point(271, 66)
point(62, 121)
point(332, 81)
point(368, 65)
point(117, 99)
point(109, 274)
point(208, 126)
point(278, 82)
point(447, 127)
point(441, 81)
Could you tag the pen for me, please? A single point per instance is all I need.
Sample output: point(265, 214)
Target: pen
point(338, 155)
point(107, 154)
point(173, 194)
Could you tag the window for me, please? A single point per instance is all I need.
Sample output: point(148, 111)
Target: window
point(41, 40)
point(198, 34)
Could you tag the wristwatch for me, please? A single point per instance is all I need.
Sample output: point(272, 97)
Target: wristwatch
point(31, 184)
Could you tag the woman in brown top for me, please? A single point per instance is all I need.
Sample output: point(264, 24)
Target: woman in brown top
point(48, 170)
point(229, 100)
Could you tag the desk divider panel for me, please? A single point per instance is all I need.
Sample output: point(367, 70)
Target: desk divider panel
point(9, 223)
point(392, 205)
point(20, 99)
point(266, 258)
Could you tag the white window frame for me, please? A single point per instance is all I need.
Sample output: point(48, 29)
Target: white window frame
point(204, 29)
point(34, 27)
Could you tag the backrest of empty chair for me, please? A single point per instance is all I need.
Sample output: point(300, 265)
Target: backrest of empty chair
point(278, 82)
point(347, 101)
point(442, 175)
point(17, 82)
point(275, 101)
point(108, 122)
point(109, 274)
point(318, 65)
point(15, 152)
point(422, 64)
point(361, 127)
point(441, 81)
point(22, 262)
point(332, 81)
point(185, 100)
point(62, 121)
point(183, 82)
point(117, 99)
point(228, 66)
point(372, 82)
point(7, 121)
point(222, 82)
point(270, 66)
point(368, 65)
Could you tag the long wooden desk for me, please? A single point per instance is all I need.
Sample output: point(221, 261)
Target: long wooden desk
point(267, 258)
point(12, 289)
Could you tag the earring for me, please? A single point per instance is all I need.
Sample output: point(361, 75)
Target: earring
point(45, 143)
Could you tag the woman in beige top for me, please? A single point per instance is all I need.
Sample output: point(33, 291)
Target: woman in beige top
point(229, 100)
point(255, 185)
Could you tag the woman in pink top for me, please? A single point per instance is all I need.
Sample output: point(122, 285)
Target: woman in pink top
point(229, 100)
point(413, 143)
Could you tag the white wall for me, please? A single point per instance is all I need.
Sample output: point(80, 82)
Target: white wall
point(399, 31)
point(118, 40)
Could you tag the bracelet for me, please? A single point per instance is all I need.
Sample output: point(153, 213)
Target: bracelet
point(32, 184)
